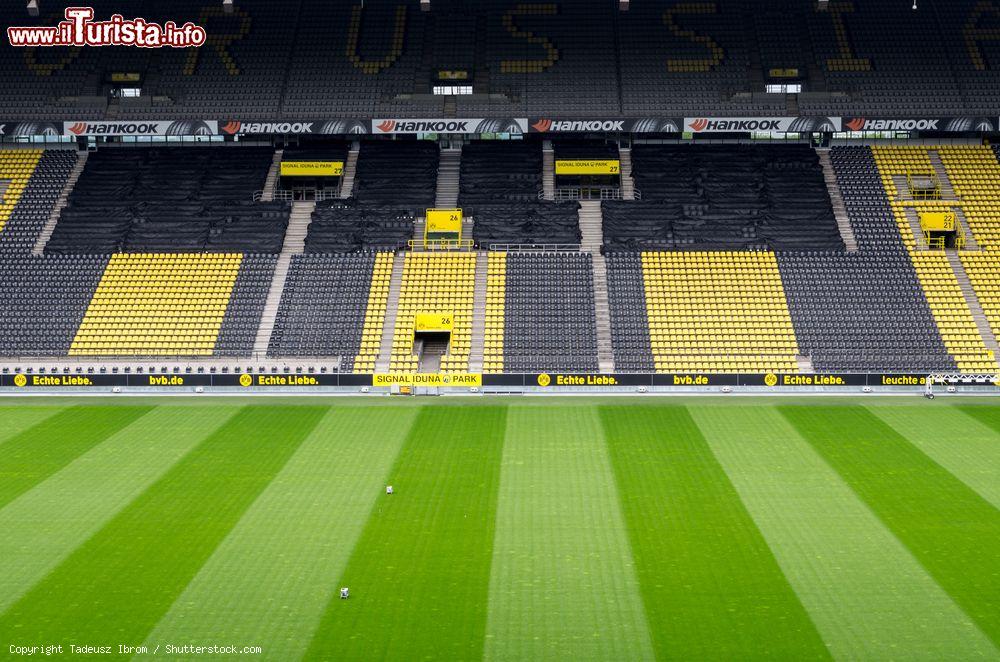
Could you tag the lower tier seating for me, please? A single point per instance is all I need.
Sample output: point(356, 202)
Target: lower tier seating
point(44, 301)
point(323, 307)
point(718, 312)
point(442, 283)
point(158, 305)
point(629, 318)
point(861, 312)
point(246, 306)
point(549, 313)
point(983, 269)
point(496, 312)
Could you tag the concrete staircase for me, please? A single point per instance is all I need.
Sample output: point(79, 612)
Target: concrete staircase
point(391, 308)
point(591, 229)
point(271, 183)
point(837, 201)
point(804, 363)
point(628, 184)
point(446, 195)
point(972, 299)
point(350, 170)
point(294, 243)
point(548, 171)
point(478, 349)
point(918, 234)
point(962, 225)
point(431, 352)
point(947, 191)
point(50, 224)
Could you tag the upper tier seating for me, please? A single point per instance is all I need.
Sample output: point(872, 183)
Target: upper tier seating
point(724, 197)
point(354, 60)
point(398, 173)
point(527, 223)
point(500, 172)
point(340, 226)
point(171, 200)
point(549, 313)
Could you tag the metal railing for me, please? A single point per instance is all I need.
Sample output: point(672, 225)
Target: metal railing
point(299, 195)
point(441, 244)
point(536, 248)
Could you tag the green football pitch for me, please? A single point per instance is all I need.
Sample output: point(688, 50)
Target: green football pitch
point(519, 529)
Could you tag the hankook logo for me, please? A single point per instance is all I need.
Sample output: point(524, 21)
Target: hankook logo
point(545, 125)
point(125, 129)
point(862, 124)
point(424, 126)
point(267, 127)
point(703, 124)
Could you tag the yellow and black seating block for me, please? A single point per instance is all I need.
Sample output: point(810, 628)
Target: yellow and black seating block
point(722, 312)
point(378, 297)
point(435, 283)
point(157, 304)
point(16, 168)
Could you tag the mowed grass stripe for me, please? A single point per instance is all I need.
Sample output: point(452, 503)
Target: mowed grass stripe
point(119, 583)
point(711, 586)
point(949, 528)
point(46, 447)
point(273, 595)
point(869, 597)
point(15, 420)
point(419, 575)
point(44, 525)
point(563, 583)
point(961, 440)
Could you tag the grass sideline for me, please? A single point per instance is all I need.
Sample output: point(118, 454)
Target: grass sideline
point(556, 528)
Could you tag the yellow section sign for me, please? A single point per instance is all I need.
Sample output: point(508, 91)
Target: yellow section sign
point(427, 379)
point(430, 322)
point(312, 168)
point(588, 167)
point(444, 221)
point(937, 221)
